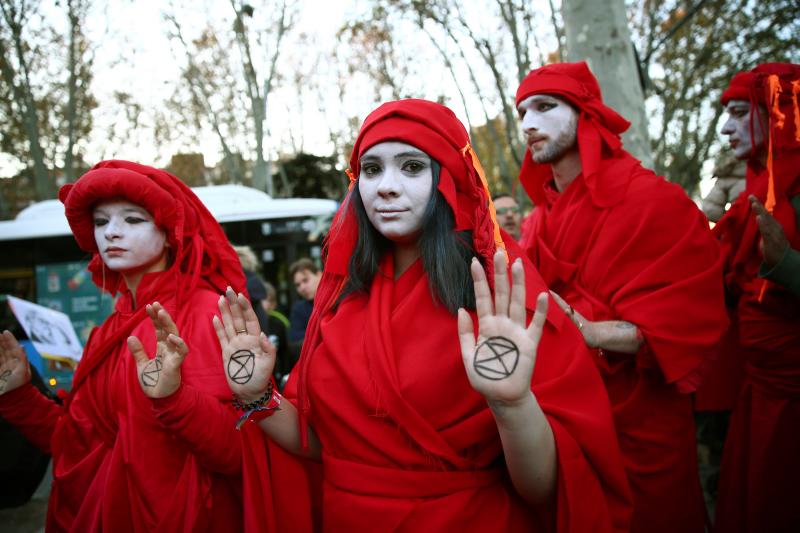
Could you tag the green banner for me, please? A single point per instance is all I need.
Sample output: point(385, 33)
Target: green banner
point(68, 287)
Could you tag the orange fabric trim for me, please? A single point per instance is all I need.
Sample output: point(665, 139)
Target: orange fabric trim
point(476, 164)
point(773, 97)
point(352, 178)
point(796, 107)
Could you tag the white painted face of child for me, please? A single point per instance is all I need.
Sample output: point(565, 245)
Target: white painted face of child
point(396, 184)
point(737, 128)
point(550, 125)
point(127, 237)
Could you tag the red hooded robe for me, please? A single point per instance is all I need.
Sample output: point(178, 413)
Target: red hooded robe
point(122, 461)
point(407, 444)
point(761, 462)
point(620, 243)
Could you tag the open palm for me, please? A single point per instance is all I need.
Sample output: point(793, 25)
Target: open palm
point(14, 369)
point(247, 354)
point(160, 376)
point(500, 362)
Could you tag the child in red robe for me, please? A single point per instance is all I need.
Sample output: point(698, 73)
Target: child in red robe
point(419, 426)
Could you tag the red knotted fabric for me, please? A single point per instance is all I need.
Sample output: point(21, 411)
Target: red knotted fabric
point(407, 444)
point(620, 243)
point(121, 461)
point(760, 464)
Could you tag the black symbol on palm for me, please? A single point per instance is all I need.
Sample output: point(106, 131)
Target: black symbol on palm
point(241, 365)
point(151, 372)
point(496, 358)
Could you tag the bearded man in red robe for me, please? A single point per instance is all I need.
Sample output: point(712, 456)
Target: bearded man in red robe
point(631, 260)
point(760, 235)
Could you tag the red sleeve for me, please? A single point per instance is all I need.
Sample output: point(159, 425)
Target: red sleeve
point(32, 413)
point(662, 271)
point(592, 488)
point(205, 424)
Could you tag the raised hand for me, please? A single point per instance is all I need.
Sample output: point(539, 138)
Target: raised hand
point(14, 369)
point(160, 376)
point(499, 364)
point(773, 240)
point(247, 354)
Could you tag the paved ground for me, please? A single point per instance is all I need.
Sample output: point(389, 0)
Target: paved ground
point(30, 517)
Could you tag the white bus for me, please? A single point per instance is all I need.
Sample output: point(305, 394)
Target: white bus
point(41, 261)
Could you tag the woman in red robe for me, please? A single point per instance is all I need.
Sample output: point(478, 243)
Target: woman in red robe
point(141, 443)
point(761, 462)
point(419, 426)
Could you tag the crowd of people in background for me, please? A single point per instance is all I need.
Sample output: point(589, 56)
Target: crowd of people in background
point(451, 364)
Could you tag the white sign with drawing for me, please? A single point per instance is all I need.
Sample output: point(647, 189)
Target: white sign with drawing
point(50, 331)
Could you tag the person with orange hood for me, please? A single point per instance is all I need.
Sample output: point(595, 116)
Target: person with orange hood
point(630, 259)
point(146, 439)
point(760, 235)
point(419, 425)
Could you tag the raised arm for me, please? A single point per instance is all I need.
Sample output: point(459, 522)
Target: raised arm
point(499, 365)
point(199, 419)
point(249, 359)
point(33, 414)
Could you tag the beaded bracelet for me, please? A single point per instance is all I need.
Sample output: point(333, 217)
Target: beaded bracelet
point(259, 409)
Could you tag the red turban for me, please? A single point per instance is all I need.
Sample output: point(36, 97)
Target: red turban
point(774, 86)
point(198, 244)
point(599, 128)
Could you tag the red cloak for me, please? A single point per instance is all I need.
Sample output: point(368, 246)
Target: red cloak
point(761, 465)
point(407, 444)
point(121, 461)
point(620, 243)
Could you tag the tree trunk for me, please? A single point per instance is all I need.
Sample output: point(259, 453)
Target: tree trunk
point(597, 32)
point(69, 170)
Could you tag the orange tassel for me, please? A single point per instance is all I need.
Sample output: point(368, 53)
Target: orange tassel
point(796, 107)
point(773, 97)
point(476, 164)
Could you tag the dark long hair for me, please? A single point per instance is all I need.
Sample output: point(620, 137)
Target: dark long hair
point(446, 254)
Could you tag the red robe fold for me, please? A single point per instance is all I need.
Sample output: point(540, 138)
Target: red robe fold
point(124, 462)
point(761, 462)
point(648, 258)
point(408, 445)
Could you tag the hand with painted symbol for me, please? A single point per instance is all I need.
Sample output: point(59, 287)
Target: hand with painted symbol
point(14, 369)
point(247, 354)
point(500, 362)
point(160, 376)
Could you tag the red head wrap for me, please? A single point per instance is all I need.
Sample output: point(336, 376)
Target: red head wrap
point(775, 87)
point(200, 252)
point(434, 129)
point(599, 128)
point(198, 244)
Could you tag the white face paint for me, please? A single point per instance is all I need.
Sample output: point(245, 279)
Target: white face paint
point(127, 237)
point(395, 184)
point(737, 128)
point(550, 125)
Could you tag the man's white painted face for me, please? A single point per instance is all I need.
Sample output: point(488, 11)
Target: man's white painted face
point(395, 184)
point(550, 125)
point(737, 128)
point(126, 236)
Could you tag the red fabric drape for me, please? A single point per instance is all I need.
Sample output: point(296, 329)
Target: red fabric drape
point(407, 444)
